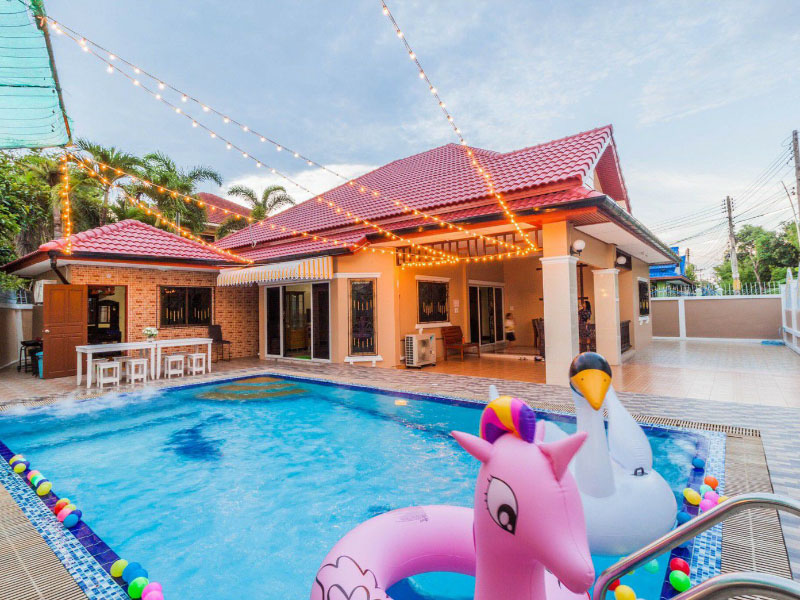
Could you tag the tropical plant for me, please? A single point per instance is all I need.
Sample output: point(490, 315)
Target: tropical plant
point(30, 186)
point(272, 199)
point(164, 173)
point(115, 160)
point(763, 255)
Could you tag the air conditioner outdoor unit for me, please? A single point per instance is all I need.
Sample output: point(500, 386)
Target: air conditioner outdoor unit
point(420, 349)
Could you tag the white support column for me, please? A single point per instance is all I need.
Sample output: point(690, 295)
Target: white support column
point(682, 318)
point(560, 293)
point(606, 311)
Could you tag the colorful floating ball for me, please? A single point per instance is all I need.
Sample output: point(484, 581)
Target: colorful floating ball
point(136, 587)
point(706, 504)
point(62, 514)
point(118, 567)
point(20, 466)
point(683, 517)
point(698, 463)
point(624, 592)
point(152, 588)
point(156, 595)
point(43, 487)
point(60, 504)
point(36, 479)
point(692, 497)
point(710, 480)
point(680, 581)
point(15, 458)
point(613, 585)
point(72, 519)
point(713, 496)
point(704, 489)
point(678, 564)
point(32, 474)
point(132, 571)
point(652, 566)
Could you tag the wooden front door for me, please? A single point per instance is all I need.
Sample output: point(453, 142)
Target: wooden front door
point(64, 327)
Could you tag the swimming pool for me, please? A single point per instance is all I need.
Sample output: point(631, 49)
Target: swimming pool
point(242, 487)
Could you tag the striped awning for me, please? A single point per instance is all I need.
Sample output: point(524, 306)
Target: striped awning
point(307, 269)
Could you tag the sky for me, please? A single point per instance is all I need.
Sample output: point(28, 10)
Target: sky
point(702, 96)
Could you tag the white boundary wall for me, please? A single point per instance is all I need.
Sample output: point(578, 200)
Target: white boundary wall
point(790, 294)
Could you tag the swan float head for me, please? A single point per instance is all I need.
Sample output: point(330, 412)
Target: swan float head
point(590, 377)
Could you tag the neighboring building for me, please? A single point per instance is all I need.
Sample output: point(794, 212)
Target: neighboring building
point(353, 297)
point(145, 277)
point(670, 278)
point(219, 210)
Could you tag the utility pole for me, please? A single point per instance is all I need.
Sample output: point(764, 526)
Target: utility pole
point(737, 285)
point(794, 212)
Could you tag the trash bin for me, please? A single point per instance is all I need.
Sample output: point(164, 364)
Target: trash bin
point(40, 360)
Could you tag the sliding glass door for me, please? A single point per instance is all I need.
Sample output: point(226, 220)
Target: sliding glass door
point(298, 321)
point(486, 314)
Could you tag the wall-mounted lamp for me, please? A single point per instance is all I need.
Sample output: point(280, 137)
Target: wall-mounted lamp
point(577, 247)
point(621, 260)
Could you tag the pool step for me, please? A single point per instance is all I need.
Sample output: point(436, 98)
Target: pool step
point(253, 392)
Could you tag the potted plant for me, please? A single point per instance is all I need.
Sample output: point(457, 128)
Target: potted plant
point(150, 333)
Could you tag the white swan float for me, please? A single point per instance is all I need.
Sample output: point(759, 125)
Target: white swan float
point(626, 502)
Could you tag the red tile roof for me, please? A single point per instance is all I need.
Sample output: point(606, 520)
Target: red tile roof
point(439, 178)
point(350, 241)
point(218, 209)
point(134, 238)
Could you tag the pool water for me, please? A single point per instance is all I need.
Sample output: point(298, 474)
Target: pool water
point(240, 489)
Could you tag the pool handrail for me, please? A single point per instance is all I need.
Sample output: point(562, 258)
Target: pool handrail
point(689, 530)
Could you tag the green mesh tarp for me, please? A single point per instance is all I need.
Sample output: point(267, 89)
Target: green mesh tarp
point(31, 109)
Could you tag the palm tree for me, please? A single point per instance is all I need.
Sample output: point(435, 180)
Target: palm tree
point(272, 198)
point(163, 172)
point(116, 159)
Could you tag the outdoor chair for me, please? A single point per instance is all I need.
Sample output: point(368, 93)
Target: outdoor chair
point(196, 363)
point(136, 369)
point(173, 365)
point(219, 344)
point(453, 339)
point(107, 372)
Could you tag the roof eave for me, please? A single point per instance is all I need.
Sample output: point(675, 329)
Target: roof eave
point(277, 259)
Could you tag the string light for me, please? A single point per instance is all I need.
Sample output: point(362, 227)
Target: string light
point(66, 208)
point(152, 211)
point(470, 154)
point(85, 163)
point(364, 189)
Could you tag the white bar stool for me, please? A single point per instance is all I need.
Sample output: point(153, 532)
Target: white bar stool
point(107, 372)
point(173, 365)
point(136, 369)
point(196, 363)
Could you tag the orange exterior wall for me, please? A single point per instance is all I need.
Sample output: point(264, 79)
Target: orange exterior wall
point(234, 308)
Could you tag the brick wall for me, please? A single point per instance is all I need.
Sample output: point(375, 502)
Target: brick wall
point(234, 308)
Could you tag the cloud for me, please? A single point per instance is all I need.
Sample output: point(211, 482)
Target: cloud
point(317, 180)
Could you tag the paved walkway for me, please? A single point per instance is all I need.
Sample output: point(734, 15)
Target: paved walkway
point(739, 372)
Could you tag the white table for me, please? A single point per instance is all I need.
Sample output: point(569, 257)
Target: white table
point(91, 349)
point(196, 342)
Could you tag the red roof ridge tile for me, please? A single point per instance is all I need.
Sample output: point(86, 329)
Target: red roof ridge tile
point(224, 203)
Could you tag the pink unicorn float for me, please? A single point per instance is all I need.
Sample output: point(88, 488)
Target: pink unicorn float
point(525, 538)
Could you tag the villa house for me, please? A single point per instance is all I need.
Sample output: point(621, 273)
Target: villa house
point(414, 246)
